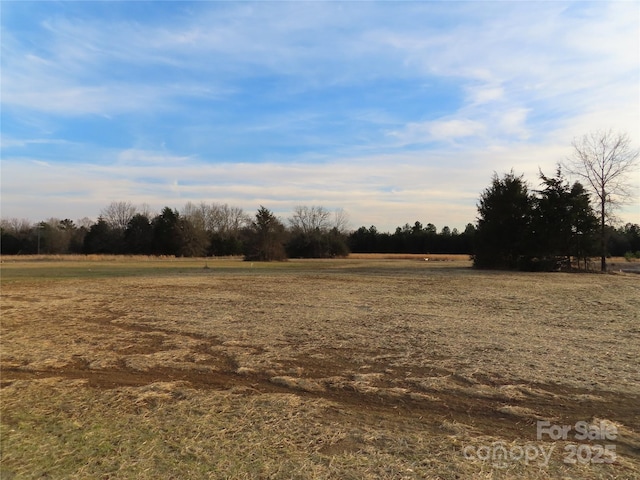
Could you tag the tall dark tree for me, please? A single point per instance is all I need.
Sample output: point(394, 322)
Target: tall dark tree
point(101, 238)
point(166, 232)
point(564, 222)
point(10, 242)
point(174, 235)
point(584, 223)
point(503, 235)
point(266, 238)
point(138, 236)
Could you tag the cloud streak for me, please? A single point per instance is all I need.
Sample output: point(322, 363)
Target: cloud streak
point(386, 111)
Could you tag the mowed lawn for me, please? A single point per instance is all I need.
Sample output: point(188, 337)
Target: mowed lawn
point(357, 368)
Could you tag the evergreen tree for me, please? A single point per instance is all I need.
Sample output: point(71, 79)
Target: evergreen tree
point(564, 223)
point(166, 232)
point(503, 236)
point(138, 235)
point(101, 238)
point(266, 238)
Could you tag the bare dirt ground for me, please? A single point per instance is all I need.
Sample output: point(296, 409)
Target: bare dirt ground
point(315, 369)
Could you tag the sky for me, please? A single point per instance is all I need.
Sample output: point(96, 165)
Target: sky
point(395, 112)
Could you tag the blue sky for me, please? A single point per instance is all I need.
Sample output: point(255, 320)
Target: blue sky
point(392, 111)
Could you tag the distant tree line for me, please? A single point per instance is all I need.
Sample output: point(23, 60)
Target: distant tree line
point(416, 238)
point(516, 229)
point(222, 230)
point(198, 230)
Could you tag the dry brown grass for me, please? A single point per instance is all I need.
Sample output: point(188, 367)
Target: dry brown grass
point(311, 369)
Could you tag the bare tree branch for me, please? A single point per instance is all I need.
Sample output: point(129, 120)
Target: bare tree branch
point(605, 160)
point(309, 219)
point(118, 214)
point(341, 220)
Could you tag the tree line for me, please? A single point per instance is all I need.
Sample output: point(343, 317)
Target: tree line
point(223, 230)
point(197, 230)
point(516, 228)
point(416, 238)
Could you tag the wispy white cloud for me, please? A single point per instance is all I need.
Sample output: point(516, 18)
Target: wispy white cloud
point(513, 122)
point(438, 131)
point(389, 111)
point(485, 93)
point(10, 142)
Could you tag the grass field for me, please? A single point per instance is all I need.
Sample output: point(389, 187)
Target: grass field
point(357, 368)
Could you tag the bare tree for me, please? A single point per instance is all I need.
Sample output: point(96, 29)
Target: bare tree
point(16, 225)
point(232, 218)
point(341, 220)
point(224, 219)
point(216, 218)
point(145, 210)
point(118, 214)
point(604, 160)
point(309, 219)
point(196, 214)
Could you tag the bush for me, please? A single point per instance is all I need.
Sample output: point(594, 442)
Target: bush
point(318, 244)
point(629, 256)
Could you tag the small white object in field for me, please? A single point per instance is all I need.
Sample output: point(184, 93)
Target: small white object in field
point(426, 259)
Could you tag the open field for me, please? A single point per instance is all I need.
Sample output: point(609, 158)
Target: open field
point(350, 369)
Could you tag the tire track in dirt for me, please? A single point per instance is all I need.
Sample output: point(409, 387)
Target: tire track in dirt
point(465, 405)
point(482, 413)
